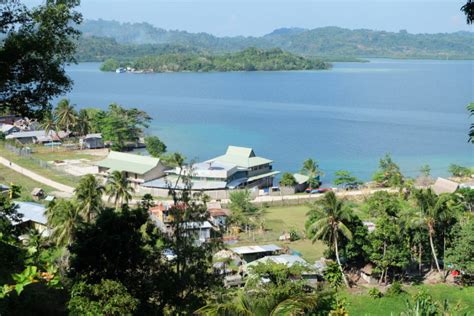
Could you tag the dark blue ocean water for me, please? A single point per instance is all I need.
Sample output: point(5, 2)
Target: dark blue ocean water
point(346, 118)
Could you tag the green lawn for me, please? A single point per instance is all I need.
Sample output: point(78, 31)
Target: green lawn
point(460, 300)
point(32, 165)
point(278, 220)
point(8, 176)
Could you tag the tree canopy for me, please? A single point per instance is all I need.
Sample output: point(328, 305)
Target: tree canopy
point(37, 44)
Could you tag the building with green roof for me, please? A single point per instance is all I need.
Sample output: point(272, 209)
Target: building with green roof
point(239, 167)
point(138, 169)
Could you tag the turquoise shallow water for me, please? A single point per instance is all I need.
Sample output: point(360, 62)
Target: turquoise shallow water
point(346, 118)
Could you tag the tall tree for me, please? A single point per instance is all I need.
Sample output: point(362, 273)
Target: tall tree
point(346, 179)
point(83, 124)
point(311, 169)
point(66, 115)
point(49, 123)
point(468, 9)
point(432, 210)
point(331, 224)
point(118, 188)
point(63, 219)
point(388, 174)
point(155, 146)
point(37, 43)
point(89, 197)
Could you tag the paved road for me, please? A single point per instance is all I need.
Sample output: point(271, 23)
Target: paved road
point(38, 178)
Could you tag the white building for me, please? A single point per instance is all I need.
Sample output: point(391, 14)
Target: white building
point(239, 167)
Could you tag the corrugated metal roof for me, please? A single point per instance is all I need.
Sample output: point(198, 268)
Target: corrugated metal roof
point(32, 212)
point(241, 156)
point(444, 186)
point(128, 162)
point(300, 178)
point(261, 176)
point(255, 249)
point(163, 183)
point(288, 260)
point(37, 134)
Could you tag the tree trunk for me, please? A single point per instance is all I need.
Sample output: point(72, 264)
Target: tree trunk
point(420, 264)
point(339, 261)
point(383, 257)
point(433, 250)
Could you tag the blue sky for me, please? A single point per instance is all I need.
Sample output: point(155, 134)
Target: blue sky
point(258, 17)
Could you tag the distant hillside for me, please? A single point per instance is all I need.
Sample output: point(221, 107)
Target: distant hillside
point(250, 59)
point(138, 39)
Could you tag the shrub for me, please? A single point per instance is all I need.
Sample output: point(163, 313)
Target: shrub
point(375, 293)
point(294, 235)
point(395, 289)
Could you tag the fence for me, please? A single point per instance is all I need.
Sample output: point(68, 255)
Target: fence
point(26, 152)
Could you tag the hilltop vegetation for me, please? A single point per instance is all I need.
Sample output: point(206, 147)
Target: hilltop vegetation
point(116, 39)
point(251, 59)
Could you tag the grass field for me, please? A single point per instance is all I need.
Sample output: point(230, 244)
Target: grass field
point(460, 300)
point(46, 154)
point(277, 221)
point(8, 176)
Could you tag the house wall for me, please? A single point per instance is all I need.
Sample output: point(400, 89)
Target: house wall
point(94, 143)
point(155, 173)
point(258, 170)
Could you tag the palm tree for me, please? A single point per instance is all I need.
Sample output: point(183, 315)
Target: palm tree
point(433, 209)
point(331, 224)
point(118, 188)
point(240, 305)
point(63, 219)
point(66, 115)
point(89, 197)
point(311, 169)
point(49, 124)
point(83, 125)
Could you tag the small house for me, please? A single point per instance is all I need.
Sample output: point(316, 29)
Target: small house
point(301, 182)
point(218, 215)
point(138, 169)
point(92, 141)
point(33, 218)
point(444, 186)
point(37, 193)
point(252, 253)
point(40, 137)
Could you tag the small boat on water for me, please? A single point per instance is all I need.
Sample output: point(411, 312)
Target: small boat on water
point(120, 70)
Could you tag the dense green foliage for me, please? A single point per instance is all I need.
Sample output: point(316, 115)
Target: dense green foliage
point(459, 171)
point(287, 180)
point(345, 179)
point(154, 146)
point(251, 59)
point(105, 298)
point(285, 293)
point(36, 45)
point(388, 174)
point(138, 39)
point(119, 125)
point(461, 253)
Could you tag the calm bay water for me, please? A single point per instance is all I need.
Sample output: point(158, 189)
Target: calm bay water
point(346, 118)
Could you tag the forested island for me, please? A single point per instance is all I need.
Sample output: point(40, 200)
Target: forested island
point(102, 39)
point(251, 59)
